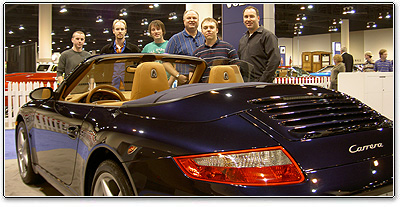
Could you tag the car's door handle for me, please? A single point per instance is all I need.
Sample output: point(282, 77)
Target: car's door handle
point(73, 132)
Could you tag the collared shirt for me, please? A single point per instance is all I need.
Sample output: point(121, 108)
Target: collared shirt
point(117, 49)
point(183, 43)
point(220, 49)
point(383, 66)
point(261, 50)
point(128, 48)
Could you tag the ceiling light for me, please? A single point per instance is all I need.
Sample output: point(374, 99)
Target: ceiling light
point(301, 17)
point(52, 33)
point(61, 40)
point(151, 6)
point(388, 15)
point(219, 20)
point(10, 32)
point(21, 27)
point(380, 16)
point(310, 6)
point(144, 22)
point(63, 9)
point(123, 12)
point(67, 46)
point(88, 34)
point(53, 43)
point(109, 40)
point(156, 5)
point(332, 29)
point(99, 19)
point(349, 10)
point(371, 25)
point(106, 31)
point(334, 21)
point(23, 41)
point(302, 7)
point(66, 29)
point(172, 16)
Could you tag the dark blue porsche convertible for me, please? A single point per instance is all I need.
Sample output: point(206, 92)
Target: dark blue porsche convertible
point(115, 127)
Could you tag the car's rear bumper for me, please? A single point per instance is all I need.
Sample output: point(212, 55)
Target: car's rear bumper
point(386, 190)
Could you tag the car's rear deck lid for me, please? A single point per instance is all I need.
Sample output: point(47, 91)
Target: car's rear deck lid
point(309, 116)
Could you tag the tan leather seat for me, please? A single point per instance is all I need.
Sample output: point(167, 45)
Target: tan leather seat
point(149, 78)
point(222, 74)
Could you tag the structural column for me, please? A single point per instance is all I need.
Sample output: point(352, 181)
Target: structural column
point(204, 10)
point(269, 17)
point(345, 34)
point(45, 33)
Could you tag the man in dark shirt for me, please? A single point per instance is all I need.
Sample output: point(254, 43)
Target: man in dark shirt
point(213, 48)
point(259, 47)
point(69, 59)
point(120, 45)
point(347, 59)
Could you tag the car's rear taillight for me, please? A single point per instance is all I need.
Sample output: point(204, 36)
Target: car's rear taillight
point(255, 167)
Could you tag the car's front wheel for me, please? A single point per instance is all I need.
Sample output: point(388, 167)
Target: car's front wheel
point(24, 156)
point(110, 180)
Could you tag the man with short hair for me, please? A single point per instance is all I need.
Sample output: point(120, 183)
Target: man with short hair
point(347, 59)
point(157, 32)
point(184, 43)
point(69, 59)
point(259, 47)
point(120, 45)
point(213, 48)
point(383, 64)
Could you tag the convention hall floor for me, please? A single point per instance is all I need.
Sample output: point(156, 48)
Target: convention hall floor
point(13, 185)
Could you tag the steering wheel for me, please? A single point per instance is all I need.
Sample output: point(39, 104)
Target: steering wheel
point(109, 87)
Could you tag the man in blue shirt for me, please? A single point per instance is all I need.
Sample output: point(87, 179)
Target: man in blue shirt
point(383, 65)
point(184, 43)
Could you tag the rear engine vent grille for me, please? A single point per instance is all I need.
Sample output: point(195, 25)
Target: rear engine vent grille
point(312, 116)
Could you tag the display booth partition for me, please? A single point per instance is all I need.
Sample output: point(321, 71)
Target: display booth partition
point(314, 61)
point(21, 58)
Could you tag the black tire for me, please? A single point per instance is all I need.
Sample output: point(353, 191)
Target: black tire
point(24, 156)
point(110, 180)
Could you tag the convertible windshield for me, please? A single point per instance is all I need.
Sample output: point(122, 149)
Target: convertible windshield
point(133, 76)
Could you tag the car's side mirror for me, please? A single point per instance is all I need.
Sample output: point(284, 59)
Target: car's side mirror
point(43, 93)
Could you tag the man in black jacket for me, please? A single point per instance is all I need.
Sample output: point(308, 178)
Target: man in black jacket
point(347, 59)
point(120, 45)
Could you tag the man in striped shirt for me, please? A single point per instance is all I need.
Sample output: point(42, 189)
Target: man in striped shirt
point(383, 65)
point(213, 48)
point(184, 43)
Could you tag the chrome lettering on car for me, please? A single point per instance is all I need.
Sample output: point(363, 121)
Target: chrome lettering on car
point(355, 149)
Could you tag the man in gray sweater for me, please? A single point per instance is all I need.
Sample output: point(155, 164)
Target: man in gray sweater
point(69, 59)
